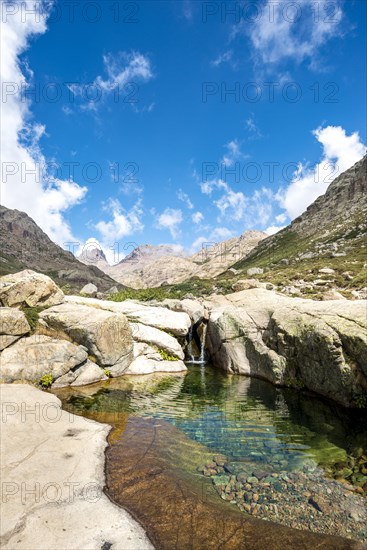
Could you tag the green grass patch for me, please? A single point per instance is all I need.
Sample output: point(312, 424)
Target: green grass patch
point(32, 316)
point(46, 380)
point(166, 356)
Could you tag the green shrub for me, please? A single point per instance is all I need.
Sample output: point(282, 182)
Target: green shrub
point(166, 356)
point(32, 316)
point(46, 380)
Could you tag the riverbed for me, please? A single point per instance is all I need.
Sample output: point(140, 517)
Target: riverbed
point(252, 426)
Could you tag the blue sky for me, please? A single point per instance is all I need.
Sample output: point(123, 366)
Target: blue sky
point(140, 101)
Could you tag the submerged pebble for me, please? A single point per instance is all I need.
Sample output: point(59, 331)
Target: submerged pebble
point(301, 500)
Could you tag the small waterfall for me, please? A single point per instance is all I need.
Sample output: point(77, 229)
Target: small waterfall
point(193, 335)
point(202, 348)
point(189, 347)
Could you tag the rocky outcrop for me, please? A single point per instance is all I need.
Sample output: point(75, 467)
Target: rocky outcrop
point(105, 334)
point(52, 472)
point(319, 346)
point(345, 197)
point(161, 318)
point(13, 325)
point(35, 356)
point(322, 249)
point(29, 288)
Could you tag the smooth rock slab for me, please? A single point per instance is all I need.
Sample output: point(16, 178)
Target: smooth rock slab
point(60, 457)
point(158, 338)
point(105, 334)
point(29, 288)
point(176, 322)
point(32, 357)
point(144, 365)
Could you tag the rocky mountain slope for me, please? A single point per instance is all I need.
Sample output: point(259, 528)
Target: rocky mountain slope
point(24, 245)
point(324, 248)
point(144, 268)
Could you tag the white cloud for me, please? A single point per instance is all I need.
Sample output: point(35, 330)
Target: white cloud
point(26, 185)
point(123, 69)
point(66, 110)
point(221, 233)
point(272, 229)
point(253, 129)
point(207, 187)
point(232, 204)
point(170, 219)
point(197, 217)
point(281, 218)
point(122, 223)
point(233, 154)
point(291, 30)
point(187, 10)
point(225, 57)
point(185, 199)
point(198, 243)
point(255, 209)
point(340, 152)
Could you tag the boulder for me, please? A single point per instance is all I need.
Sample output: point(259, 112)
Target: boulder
point(321, 346)
point(142, 348)
point(29, 288)
point(327, 270)
point(89, 290)
point(194, 309)
point(105, 334)
point(157, 338)
point(34, 356)
point(112, 290)
point(145, 365)
point(246, 284)
point(88, 373)
point(333, 295)
point(177, 323)
point(254, 271)
point(13, 325)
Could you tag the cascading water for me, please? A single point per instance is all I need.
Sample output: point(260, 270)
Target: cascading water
point(202, 348)
point(189, 346)
point(190, 352)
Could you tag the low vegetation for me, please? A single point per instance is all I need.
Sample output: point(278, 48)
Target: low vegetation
point(166, 356)
point(32, 316)
point(46, 380)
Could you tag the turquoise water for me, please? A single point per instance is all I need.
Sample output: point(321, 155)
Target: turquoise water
point(242, 418)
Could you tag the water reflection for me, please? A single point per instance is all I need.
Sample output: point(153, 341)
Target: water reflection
point(243, 418)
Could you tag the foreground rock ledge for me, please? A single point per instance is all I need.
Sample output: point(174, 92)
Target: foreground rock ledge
point(52, 471)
